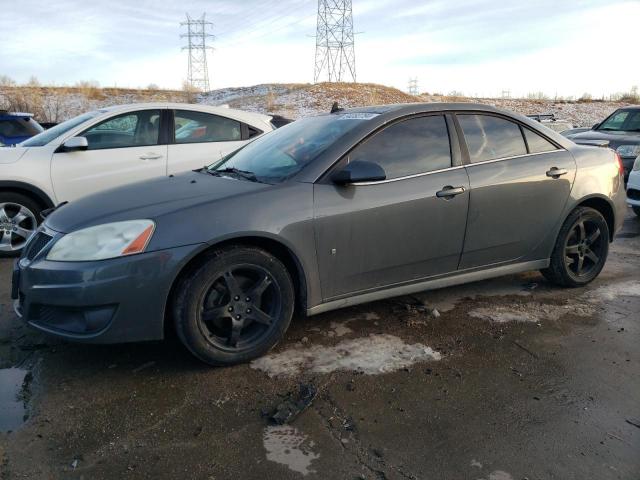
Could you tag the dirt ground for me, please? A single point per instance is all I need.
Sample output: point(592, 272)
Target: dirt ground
point(506, 379)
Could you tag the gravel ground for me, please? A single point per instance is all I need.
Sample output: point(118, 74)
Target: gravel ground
point(504, 379)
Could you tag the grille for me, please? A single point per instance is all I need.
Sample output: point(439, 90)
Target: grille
point(633, 194)
point(36, 244)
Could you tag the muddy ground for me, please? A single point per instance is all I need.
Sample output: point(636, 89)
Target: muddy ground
point(510, 379)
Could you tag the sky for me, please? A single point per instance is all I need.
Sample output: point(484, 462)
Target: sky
point(476, 47)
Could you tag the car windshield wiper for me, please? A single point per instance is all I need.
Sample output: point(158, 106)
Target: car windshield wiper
point(236, 171)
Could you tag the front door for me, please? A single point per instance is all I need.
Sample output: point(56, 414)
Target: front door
point(516, 200)
point(122, 149)
point(398, 230)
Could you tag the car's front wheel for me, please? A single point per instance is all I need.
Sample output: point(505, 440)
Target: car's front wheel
point(234, 306)
point(581, 249)
point(19, 216)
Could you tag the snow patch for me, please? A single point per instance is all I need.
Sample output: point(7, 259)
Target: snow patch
point(288, 446)
point(612, 291)
point(370, 355)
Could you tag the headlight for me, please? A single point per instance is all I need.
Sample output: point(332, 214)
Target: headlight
point(103, 241)
point(636, 164)
point(628, 150)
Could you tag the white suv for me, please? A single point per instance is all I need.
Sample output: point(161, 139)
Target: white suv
point(633, 187)
point(111, 147)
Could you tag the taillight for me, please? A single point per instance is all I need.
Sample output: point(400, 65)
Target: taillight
point(620, 165)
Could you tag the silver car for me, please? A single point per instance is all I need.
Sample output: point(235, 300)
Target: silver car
point(329, 211)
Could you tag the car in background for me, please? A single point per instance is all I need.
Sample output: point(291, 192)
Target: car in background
point(622, 130)
point(549, 120)
point(330, 211)
point(572, 131)
point(110, 147)
point(16, 127)
point(633, 187)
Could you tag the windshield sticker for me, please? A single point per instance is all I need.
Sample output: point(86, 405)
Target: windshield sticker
point(357, 116)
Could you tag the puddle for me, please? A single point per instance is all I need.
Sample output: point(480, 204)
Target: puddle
point(288, 446)
point(370, 355)
point(13, 384)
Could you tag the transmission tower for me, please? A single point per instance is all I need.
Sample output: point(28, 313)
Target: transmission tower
point(335, 56)
point(413, 86)
point(198, 74)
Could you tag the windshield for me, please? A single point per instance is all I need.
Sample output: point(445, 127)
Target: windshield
point(278, 155)
point(622, 120)
point(45, 137)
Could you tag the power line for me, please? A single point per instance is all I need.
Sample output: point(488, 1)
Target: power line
point(198, 73)
point(335, 57)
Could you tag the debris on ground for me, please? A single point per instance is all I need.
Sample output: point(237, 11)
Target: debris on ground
point(143, 366)
point(633, 421)
point(74, 464)
point(294, 404)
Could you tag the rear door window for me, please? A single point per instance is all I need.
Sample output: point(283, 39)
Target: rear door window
point(409, 147)
point(491, 138)
point(200, 127)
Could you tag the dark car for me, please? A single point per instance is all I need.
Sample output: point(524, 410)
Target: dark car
point(622, 130)
point(326, 212)
point(16, 127)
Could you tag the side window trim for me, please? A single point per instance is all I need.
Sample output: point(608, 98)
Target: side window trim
point(324, 178)
point(466, 158)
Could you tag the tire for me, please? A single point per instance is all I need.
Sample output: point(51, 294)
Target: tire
point(579, 253)
point(636, 210)
point(234, 306)
point(14, 234)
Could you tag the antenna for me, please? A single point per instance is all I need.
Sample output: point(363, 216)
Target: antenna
point(198, 73)
point(335, 56)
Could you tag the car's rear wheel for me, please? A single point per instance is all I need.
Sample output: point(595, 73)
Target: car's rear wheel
point(636, 210)
point(19, 218)
point(581, 249)
point(235, 306)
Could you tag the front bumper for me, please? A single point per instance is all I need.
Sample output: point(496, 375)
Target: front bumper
point(107, 301)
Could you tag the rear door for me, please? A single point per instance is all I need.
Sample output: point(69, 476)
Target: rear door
point(122, 149)
point(201, 138)
point(398, 230)
point(520, 182)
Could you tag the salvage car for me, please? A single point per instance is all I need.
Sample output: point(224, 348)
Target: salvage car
point(16, 127)
point(622, 130)
point(329, 211)
point(633, 187)
point(110, 147)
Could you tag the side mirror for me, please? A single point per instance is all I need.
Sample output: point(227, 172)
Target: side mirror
point(359, 171)
point(75, 144)
point(595, 126)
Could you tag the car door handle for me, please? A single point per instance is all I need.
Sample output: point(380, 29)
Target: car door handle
point(449, 192)
point(150, 156)
point(555, 172)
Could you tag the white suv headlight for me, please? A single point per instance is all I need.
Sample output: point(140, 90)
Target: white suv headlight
point(110, 240)
point(636, 163)
point(628, 150)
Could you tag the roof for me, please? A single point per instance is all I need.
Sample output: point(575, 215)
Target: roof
point(16, 114)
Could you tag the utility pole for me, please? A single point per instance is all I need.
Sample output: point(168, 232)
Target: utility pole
point(198, 73)
point(413, 86)
point(335, 58)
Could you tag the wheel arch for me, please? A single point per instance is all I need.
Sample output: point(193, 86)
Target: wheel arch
point(274, 246)
point(29, 190)
point(603, 205)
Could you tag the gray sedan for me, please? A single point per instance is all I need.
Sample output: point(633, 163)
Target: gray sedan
point(329, 211)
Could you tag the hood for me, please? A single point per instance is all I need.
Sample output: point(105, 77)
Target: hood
point(149, 199)
point(615, 138)
point(11, 154)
